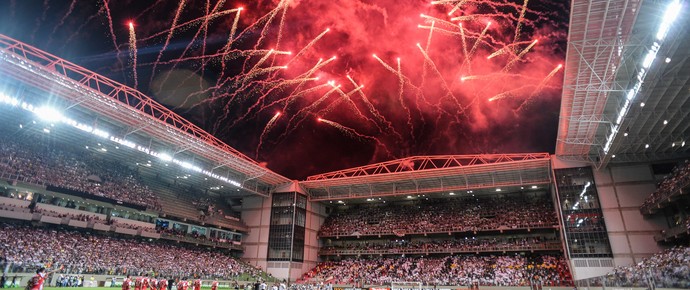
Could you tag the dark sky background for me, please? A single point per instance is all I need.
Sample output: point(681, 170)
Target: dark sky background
point(487, 93)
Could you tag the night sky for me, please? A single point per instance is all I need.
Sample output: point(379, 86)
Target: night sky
point(273, 91)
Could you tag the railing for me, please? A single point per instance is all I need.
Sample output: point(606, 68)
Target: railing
point(647, 279)
point(664, 198)
point(456, 250)
point(70, 269)
point(674, 232)
point(441, 230)
point(191, 240)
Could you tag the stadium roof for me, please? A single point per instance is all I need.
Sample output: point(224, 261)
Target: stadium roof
point(430, 174)
point(178, 140)
point(626, 89)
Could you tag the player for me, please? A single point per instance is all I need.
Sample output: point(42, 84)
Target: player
point(182, 285)
point(214, 284)
point(126, 283)
point(137, 283)
point(145, 282)
point(197, 284)
point(153, 282)
point(163, 284)
point(36, 282)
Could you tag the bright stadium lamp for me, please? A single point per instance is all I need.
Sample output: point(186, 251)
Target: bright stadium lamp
point(48, 114)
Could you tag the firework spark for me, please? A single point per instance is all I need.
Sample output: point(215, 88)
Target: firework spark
point(133, 53)
point(267, 128)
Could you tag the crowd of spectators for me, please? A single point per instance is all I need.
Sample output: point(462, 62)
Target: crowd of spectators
point(444, 246)
point(668, 269)
point(65, 168)
point(679, 177)
point(27, 248)
point(444, 215)
point(493, 270)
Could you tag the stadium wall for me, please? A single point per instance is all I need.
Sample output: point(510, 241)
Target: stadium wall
point(622, 189)
point(256, 213)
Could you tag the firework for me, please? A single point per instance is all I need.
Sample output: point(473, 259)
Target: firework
point(352, 133)
point(309, 45)
point(180, 7)
point(267, 128)
point(133, 53)
point(456, 7)
point(476, 44)
point(512, 62)
point(520, 19)
point(110, 26)
point(539, 88)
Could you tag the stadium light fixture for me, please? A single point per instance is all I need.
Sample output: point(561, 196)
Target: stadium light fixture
point(665, 122)
point(451, 193)
point(534, 187)
point(668, 59)
point(670, 15)
point(498, 190)
point(48, 114)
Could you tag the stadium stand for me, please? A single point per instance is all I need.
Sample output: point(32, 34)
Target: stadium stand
point(25, 248)
point(492, 270)
point(63, 167)
point(669, 189)
point(456, 245)
point(668, 269)
point(443, 216)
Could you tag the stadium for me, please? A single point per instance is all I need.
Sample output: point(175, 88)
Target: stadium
point(214, 150)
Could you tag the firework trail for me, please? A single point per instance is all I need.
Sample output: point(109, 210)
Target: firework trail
point(110, 26)
point(271, 16)
point(426, 64)
point(510, 93)
point(539, 88)
point(62, 20)
point(354, 134)
point(464, 48)
point(167, 39)
point(476, 44)
point(344, 97)
point(519, 22)
point(268, 127)
point(233, 30)
point(401, 87)
point(199, 20)
point(439, 20)
point(512, 62)
point(88, 20)
point(269, 89)
point(456, 7)
point(440, 76)
point(282, 24)
point(379, 117)
point(506, 49)
point(298, 117)
point(308, 46)
point(293, 96)
point(133, 53)
point(46, 6)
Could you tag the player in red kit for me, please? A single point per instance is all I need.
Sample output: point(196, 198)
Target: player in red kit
point(138, 282)
point(153, 282)
point(126, 283)
point(145, 282)
point(197, 284)
point(214, 285)
point(183, 284)
point(163, 284)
